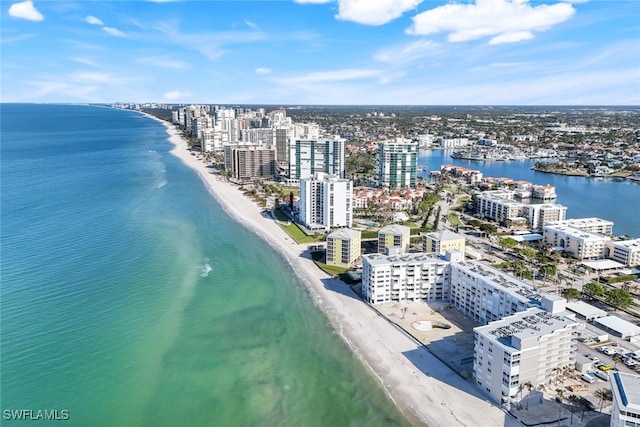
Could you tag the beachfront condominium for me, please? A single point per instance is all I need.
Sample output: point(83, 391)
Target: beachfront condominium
point(397, 164)
point(506, 207)
point(487, 294)
point(343, 247)
point(439, 242)
point(527, 347)
point(625, 391)
point(394, 235)
point(576, 242)
point(309, 156)
point(325, 201)
point(404, 277)
point(248, 162)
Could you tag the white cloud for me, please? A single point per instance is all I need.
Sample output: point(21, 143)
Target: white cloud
point(329, 76)
point(25, 10)
point(409, 52)
point(506, 21)
point(251, 24)
point(85, 61)
point(163, 62)
point(374, 12)
point(176, 94)
point(113, 31)
point(93, 20)
point(263, 70)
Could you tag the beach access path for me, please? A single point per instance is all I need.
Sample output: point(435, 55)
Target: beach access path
point(423, 388)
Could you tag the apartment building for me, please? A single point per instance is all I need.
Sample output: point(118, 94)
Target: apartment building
point(343, 247)
point(591, 225)
point(528, 346)
point(325, 201)
point(577, 242)
point(394, 235)
point(503, 206)
point(309, 156)
point(626, 252)
point(625, 390)
point(397, 164)
point(440, 242)
point(250, 161)
point(486, 294)
point(404, 277)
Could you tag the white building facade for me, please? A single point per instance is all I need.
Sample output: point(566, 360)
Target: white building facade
point(529, 346)
point(404, 277)
point(325, 201)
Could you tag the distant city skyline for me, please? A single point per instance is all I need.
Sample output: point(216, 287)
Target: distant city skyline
point(344, 52)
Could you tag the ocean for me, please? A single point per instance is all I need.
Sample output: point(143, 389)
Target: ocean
point(129, 298)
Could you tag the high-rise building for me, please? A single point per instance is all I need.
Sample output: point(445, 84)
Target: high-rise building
point(529, 346)
point(625, 390)
point(397, 164)
point(325, 201)
point(250, 161)
point(308, 156)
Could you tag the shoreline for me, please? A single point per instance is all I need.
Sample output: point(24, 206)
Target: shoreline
point(425, 390)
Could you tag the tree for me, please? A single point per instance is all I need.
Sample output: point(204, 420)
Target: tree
point(593, 289)
point(571, 293)
point(291, 201)
point(618, 298)
point(508, 242)
point(529, 386)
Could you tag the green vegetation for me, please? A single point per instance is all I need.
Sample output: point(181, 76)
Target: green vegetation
point(319, 259)
point(369, 234)
point(415, 231)
point(618, 298)
point(593, 289)
point(296, 232)
point(508, 242)
point(621, 278)
point(453, 219)
point(571, 293)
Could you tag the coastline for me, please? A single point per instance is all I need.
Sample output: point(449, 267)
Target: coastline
point(422, 387)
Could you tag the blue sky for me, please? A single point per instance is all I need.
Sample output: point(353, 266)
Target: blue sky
point(410, 52)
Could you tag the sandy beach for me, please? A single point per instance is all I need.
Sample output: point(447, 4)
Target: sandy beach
point(425, 390)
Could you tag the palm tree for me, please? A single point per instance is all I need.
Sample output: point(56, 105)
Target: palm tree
point(604, 394)
point(573, 399)
point(560, 392)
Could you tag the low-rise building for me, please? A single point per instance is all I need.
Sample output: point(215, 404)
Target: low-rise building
point(394, 235)
point(527, 347)
point(404, 277)
point(577, 242)
point(343, 247)
point(591, 225)
point(439, 242)
point(626, 252)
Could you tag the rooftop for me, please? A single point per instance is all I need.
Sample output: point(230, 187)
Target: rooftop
point(417, 257)
point(395, 229)
point(626, 390)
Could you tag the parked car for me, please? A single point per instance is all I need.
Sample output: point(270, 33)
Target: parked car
point(604, 366)
point(588, 378)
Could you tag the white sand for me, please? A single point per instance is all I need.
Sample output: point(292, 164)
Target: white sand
point(427, 391)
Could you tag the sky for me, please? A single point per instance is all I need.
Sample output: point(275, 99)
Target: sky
point(330, 52)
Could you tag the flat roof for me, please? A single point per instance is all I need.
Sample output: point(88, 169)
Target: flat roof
point(588, 311)
point(603, 264)
point(420, 257)
point(531, 237)
point(626, 390)
point(624, 328)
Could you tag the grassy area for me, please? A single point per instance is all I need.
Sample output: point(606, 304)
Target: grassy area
point(319, 258)
point(296, 232)
point(369, 234)
point(454, 220)
point(415, 231)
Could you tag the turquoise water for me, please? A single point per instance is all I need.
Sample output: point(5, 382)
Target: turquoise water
point(109, 312)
